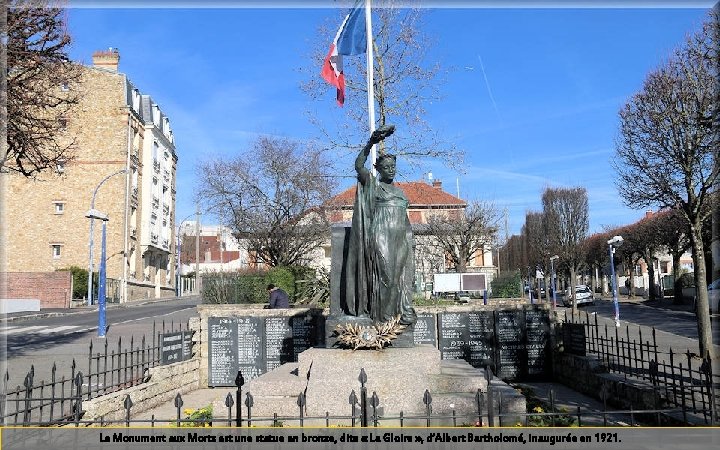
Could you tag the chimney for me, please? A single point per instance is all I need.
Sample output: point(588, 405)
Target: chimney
point(437, 184)
point(107, 59)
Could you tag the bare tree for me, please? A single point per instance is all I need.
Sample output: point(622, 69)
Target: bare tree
point(404, 84)
point(566, 212)
point(462, 238)
point(40, 88)
point(271, 196)
point(668, 141)
point(537, 243)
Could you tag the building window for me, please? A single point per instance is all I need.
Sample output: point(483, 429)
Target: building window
point(59, 207)
point(63, 122)
point(60, 165)
point(56, 251)
point(65, 86)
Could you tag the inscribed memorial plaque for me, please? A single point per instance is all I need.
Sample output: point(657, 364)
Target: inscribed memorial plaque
point(453, 335)
point(278, 342)
point(222, 349)
point(537, 333)
point(424, 332)
point(511, 356)
point(481, 339)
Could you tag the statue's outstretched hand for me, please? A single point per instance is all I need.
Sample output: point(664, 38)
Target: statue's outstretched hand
point(381, 133)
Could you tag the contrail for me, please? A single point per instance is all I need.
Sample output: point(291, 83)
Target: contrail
point(487, 85)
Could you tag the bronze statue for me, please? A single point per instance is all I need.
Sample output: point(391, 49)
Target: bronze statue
point(380, 264)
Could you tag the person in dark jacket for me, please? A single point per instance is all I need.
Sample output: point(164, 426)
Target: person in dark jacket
point(278, 297)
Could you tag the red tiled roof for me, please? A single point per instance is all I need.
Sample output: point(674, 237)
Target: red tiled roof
point(418, 193)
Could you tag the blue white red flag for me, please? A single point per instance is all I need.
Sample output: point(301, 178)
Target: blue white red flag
point(351, 39)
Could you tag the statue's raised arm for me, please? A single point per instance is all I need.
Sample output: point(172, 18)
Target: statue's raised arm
point(377, 136)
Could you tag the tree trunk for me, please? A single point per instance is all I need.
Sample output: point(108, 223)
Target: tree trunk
point(677, 287)
point(651, 280)
point(702, 302)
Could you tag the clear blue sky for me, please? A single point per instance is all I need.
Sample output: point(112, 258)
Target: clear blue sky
point(534, 99)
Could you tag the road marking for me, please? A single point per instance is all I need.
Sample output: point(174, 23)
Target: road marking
point(17, 330)
point(58, 329)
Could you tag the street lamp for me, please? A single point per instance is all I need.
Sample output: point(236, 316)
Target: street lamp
point(614, 243)
point(178, 269)
point(95, 214)
point(552, 282)
point(92, 228)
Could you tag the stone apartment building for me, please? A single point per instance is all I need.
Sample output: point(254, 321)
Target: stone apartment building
point(116, 128)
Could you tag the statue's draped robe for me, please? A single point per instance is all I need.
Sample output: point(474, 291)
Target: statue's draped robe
point(380, 265)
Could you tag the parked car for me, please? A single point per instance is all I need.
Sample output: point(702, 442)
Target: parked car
point(583, 296)
point(462, 296)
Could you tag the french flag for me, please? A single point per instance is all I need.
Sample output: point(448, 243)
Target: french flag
point(351, 39)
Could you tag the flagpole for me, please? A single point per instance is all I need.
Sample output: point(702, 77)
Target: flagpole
point(369, 78)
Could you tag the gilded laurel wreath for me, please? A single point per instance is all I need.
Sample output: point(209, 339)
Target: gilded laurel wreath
point(377, 336)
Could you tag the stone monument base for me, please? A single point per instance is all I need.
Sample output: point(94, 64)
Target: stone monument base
point(398, 376)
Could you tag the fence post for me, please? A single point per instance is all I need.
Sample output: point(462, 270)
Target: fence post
point(374, 402)
point(353, 401)
point(363, 398)
point(178, 407)
point(427, 401)
point(229, 404)
point(301, 405)
point(552, 407)
point(78, 403)
point(89, 372)
point(478, 403)
point(28, 383)
point(491, 406)
point(249, 402)
point(706, 369)
point(239, 382)
point(128, 403)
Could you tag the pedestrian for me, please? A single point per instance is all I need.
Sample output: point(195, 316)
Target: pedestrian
point(278, 297)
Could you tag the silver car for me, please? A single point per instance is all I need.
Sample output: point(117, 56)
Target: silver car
point(583, 296)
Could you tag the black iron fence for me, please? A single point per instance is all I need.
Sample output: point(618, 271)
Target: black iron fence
point(683, 379)
point(364, 411)
point(109, 369)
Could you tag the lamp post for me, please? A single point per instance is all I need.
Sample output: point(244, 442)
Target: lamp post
point(92, 228)
point(178, 269)
point(95, 214)
point(552, 274)
point(613, 243)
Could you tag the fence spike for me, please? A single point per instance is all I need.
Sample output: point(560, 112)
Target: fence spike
point(229, 402)
point(362, 378)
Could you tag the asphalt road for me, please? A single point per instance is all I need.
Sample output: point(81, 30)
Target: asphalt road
point(60, 339)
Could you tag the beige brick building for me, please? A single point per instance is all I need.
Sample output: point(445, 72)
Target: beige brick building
point(115, 128)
